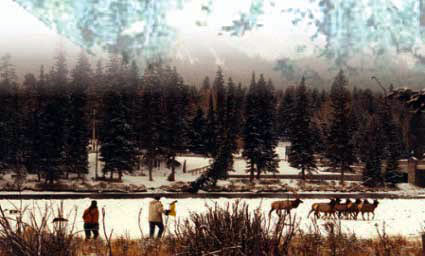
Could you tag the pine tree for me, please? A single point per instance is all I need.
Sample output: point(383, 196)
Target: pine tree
point(232, 118)
point(175, 114)
point(301, 133)
point(258, 133)
point(393, 145)
point(374, 153)
point(29, 130)
point(211, 131)
point(220, 105)
point(238, 118)
point(315, 100)
point(117, 149)
point(32, 130)
point(269, 161)
point(78, 139)
point(8, 116)
point(339, 141)
point(251, 129)
point(52, 121)
point(285, 114)
point(150, 119)
point(130, 88)
point(205, 93)
point(206, 84)
point(223, 162)
point(197, 135)
point(117, 138)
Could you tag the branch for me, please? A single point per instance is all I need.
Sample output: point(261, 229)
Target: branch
point(108, 238)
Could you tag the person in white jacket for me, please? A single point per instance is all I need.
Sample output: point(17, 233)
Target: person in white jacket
point(155, 216)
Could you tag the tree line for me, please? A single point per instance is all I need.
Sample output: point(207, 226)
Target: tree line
point(142, 117)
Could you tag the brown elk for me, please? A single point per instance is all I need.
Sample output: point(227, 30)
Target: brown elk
point(286, 205)
point(327, 208)
point(368, 208)
point(342, 209)
point(353, 209)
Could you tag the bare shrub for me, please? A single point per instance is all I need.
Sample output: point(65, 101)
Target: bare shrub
point(339, 242)
point(310, 242)
point(36, 237)
point(386, 245)
point(233, 230)
point(329, 241)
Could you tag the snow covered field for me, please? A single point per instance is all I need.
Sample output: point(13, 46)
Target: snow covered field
point(401, 217)
point(139, 180)
point(193, 162)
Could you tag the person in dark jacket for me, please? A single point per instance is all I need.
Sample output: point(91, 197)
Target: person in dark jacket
point(91, 221)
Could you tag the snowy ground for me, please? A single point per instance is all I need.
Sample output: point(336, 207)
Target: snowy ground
point(192, 162)
point(139, 180)
point(159, 174)
point(401, 217)
point(240, 165)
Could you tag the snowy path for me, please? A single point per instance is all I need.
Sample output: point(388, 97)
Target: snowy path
point(404, 217)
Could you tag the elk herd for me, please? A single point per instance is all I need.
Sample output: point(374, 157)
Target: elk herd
point(335, 208)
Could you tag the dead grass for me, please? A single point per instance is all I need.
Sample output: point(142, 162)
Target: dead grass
point(307, 244)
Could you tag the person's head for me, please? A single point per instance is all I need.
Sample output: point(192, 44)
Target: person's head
point(157, 197)
point(93, 204)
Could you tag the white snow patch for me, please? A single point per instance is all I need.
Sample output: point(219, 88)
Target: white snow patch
point(401, 217)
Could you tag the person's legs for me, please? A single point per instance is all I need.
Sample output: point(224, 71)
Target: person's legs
point(151, 229)
point(161, 229)
point(87, 230)
point(95, 230)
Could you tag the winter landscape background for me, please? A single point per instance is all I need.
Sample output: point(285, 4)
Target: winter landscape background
point(215, 104)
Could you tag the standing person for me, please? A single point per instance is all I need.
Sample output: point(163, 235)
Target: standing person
point(155, 216)
point(91, 221)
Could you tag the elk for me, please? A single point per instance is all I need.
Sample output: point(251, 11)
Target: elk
point(342, 209)
point(368, 208)
point(286, 205)
point(353, 209)
point(327, 208)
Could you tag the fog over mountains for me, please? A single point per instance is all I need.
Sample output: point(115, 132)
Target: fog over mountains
point(198, 59)
point(197, 53)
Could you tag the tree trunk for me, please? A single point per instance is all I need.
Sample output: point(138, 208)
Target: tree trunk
point(112, 175)
point(119, 175)
point(184, 166)
point(139, 163)
point(172, 176)
point(302, 173)
point(150, 170)
point(342, 175)
point(258, 173)
point(251, 173)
